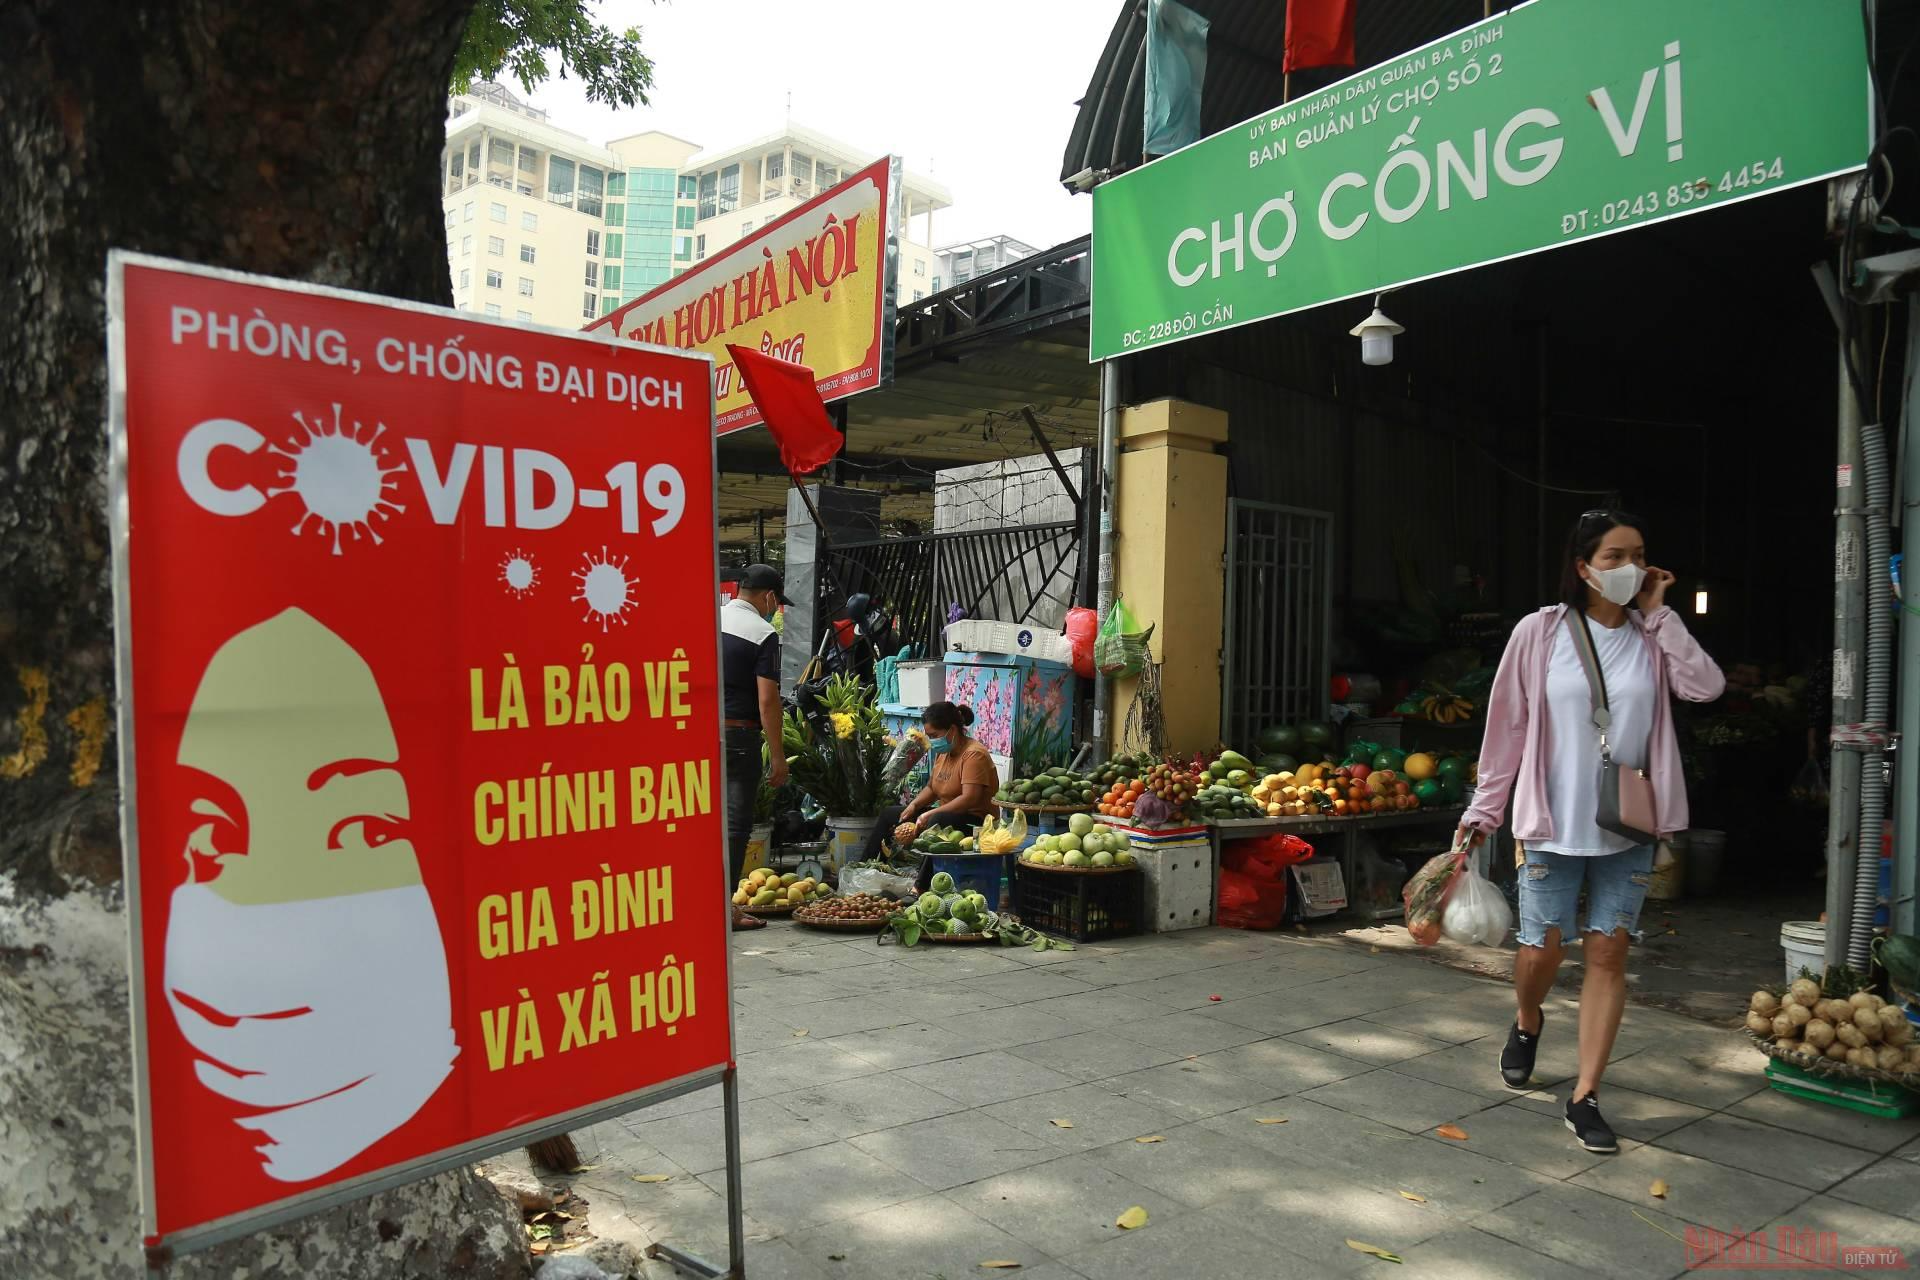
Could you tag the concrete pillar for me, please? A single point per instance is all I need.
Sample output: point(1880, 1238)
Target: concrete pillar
point(1170, 513)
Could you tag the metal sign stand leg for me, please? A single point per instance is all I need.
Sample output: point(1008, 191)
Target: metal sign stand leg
point(736, 1216)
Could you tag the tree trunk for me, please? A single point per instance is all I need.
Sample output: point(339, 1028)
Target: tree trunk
point(292, 138)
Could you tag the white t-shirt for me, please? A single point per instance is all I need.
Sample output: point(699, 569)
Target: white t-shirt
point(1573, 767)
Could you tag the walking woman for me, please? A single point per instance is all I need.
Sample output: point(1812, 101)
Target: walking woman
point(1543, 750)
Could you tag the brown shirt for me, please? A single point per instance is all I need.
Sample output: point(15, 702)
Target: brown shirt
point(970, 766)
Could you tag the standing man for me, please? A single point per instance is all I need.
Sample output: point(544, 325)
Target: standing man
point(750, 689)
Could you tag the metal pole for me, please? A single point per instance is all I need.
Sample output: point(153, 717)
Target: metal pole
point(736, 1212)
point(1109, 463)
point(1849, 640)
point(1906, 756)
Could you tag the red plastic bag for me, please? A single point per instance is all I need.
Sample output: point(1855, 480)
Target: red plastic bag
point(1247, 902)
point(1082, 626)
point(1253, 881)
point(1425, 896)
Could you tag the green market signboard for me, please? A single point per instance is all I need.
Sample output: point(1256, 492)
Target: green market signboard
point(1554, 122)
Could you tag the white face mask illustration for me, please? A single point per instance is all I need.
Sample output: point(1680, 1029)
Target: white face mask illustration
point(303, 960)
point(1619, 585)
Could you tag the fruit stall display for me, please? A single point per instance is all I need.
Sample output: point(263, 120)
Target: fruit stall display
point(944, 913)
point(1836, 1029)
point(1060, 787)
point(854, 912)
point(1086, 846)
point(770, 891)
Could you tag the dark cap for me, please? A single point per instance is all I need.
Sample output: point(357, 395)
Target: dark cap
point(764, 577)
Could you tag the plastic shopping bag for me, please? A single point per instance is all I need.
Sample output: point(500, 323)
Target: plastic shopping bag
point(1083, 626)
point(1810, 785)
point(1476, 912)
point(1121, 648)
point(1425, 896)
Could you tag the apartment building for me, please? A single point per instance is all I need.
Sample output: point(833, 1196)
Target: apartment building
point(545, 227)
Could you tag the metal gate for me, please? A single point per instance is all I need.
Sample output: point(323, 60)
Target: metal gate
point(1279, 618)
point(916, 579)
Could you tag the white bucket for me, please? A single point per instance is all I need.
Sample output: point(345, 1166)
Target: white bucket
point(1804, 943)
point(847, 840)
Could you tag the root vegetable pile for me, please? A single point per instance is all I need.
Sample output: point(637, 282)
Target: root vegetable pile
point(1861, 1030)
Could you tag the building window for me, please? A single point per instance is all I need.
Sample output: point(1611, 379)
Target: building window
point(730, 188)
point(746, 228)
point(825, 175)
point(610, 278)
point(526, 286)
point(919, 294)
point(616, 215)
point(699, 248)
point(529, 160)
point(560, 180)
point(616, 185)
point(473, 156)
point(529, 221)
point(526, 253)
point(802, 174)
point(458, 163)
point(466, 246)
point(493, 279)
point(590, 309)
point(523, 316)
point(616, 242)
point(688, 187)
point(593, 244)
point(452, 217)
point(683, 246)
point(682, 219)
point(466, 279)
point(493, 309)
point(496, 245)
point(467, 213)
point(608, 303)
point(709, 195)
point(776, 165)
point(919, 266)
point(593, 274)
point(936, 284)
point(593, 184)
point(498, 212)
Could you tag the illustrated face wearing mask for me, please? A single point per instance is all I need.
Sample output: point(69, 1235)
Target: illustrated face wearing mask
point(1618, 567)
point(304, 963)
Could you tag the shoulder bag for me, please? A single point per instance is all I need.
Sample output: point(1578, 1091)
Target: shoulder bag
point(1626, 795)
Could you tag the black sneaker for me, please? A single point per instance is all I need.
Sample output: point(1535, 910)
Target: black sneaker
point(1516, 1060)
point(1583, 1117)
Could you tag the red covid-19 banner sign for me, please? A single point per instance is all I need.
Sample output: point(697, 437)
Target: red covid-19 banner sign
point(420, 730)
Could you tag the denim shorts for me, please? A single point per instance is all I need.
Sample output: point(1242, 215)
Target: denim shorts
point(1615, 884)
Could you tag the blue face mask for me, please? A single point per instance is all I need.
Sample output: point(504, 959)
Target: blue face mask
point(939, 746)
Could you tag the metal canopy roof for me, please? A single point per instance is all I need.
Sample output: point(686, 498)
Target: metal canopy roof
point(967, 361)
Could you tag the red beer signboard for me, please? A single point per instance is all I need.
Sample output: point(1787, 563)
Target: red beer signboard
point(423, 794)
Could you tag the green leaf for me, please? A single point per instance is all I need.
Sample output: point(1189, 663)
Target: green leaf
point(910, 933)
point(516, 36)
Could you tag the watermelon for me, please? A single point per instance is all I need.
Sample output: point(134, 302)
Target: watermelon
point(1453, 788)
point(1281, 740)
point(1317, 735)
point(1278, 764)
point(1453, 767)
point(1392, 758)
point(1429, 792)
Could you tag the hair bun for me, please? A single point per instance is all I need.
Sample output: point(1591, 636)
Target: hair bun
point(966, 717)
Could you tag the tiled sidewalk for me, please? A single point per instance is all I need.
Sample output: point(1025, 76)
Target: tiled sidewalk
point(902, 1109)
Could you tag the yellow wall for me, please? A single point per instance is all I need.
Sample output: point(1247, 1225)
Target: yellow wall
point(1170, 513)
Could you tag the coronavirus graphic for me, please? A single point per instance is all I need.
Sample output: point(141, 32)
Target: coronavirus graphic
point(340, 475)
point(605, 588)
point(520, 574)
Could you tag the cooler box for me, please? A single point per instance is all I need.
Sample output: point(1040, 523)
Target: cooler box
point(1022, 707)
point(1019, 639)
point(1178, 889)
point(923, 683)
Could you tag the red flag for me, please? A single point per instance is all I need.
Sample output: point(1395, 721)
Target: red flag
point(1319, 34)
point(786, 397)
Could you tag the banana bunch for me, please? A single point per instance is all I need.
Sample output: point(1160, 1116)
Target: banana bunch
point(1446, 708)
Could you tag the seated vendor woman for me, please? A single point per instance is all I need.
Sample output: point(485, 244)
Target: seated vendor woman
point(962, 779)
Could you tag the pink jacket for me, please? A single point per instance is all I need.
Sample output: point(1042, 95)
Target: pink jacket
point(1513, 756)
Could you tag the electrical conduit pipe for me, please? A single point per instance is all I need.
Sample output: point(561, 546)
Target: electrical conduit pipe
point(1870, 735)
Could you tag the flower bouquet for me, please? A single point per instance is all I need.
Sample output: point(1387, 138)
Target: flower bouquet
point(841, 758)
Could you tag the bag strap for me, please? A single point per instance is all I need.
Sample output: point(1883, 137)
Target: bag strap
point(1596, 680)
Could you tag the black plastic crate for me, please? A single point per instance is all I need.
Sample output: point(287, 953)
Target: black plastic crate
point(1083, 908)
